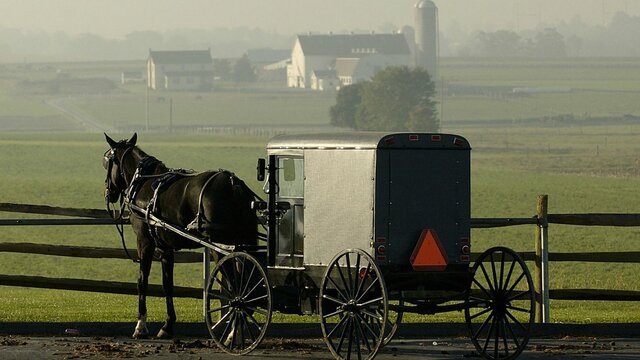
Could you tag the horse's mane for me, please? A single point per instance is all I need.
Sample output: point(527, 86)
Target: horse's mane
point(158, 164)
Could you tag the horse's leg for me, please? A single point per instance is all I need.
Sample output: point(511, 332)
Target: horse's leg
point(146, 258)
point(167, 284)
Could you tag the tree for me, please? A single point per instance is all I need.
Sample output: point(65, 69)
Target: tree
point(348, 98)
point(499, 43)
point(398, 99)
point(423, 118)
point(550, 43)
point(222, 69)
point(243, 71)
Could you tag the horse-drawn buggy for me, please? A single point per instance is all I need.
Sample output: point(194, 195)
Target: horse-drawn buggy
point(358, 229)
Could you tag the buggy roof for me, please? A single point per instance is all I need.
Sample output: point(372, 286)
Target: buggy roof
point(367, 140)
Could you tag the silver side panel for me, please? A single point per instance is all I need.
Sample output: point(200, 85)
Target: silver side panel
point(339, 202)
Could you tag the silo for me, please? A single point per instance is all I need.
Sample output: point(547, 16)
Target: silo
point(427, 47)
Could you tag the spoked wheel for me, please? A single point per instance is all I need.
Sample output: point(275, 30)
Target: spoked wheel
point(238, 303)
point(394, 317)
point(500, 308)
point(353, 306)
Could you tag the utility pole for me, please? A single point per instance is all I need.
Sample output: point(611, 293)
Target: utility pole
point(441, 101)
point(171, 114)
point(147, 108)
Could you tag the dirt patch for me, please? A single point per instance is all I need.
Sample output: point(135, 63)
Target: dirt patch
point(10, 341)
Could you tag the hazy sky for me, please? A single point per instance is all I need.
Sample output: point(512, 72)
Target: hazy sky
point(114, 18)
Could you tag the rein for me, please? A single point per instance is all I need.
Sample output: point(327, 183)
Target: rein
point(120, 220)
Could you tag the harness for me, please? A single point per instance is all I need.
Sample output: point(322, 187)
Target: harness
point(160, 183)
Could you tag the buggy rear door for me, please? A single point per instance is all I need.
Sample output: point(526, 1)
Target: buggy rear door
point(427, 189)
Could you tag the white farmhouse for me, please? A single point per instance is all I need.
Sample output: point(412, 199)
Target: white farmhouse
point(179, 70)
point(353, 57)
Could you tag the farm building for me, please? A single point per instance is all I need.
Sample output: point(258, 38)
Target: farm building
point(330, 52)
point(179, 70)
point(268, 62)
point(357, 57)
point(131, 77)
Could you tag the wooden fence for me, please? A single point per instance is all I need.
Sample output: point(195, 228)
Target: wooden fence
point(541, 256)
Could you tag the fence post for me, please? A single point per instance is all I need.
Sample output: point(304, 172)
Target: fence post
point(206, 265)
point(541, 281)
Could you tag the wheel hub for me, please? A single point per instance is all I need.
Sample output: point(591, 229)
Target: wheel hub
point(351, 306)
point(236, 302)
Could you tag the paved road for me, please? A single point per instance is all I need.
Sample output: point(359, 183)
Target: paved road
point(22, 347)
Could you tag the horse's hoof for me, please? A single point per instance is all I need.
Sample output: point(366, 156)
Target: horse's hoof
point(140, 334)
point(164, 335)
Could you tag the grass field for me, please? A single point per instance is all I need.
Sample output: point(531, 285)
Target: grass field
point(585, 167)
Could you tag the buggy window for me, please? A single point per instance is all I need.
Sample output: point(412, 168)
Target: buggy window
point(291, 177)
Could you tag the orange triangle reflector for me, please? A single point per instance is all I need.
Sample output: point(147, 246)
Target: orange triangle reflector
point(428, 254)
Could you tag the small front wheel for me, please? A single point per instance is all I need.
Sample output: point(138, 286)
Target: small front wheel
point(238, 303)
point(353, 306)
point(500, 306)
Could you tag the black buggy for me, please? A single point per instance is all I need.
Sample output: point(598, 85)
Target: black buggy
point(361, 228)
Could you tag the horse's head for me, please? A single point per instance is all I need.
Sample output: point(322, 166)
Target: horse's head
point(113, 161)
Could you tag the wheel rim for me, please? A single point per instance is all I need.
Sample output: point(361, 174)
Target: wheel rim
point(500, 306)
point(394, 317)
point(353, 296)
point(238, 304)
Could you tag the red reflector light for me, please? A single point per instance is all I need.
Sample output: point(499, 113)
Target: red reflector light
point(414, 138)
point(458, 142)
point(465, 258)
point(381, 249)
point(363, 273)
point(390, 140)
point(436, 137)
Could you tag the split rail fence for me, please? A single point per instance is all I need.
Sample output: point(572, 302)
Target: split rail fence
point(541, 256)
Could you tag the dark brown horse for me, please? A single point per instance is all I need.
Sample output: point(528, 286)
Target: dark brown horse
point(215, 205)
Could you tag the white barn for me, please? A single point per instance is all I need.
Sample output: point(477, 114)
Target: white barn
point(179, 70)
point(353, 57)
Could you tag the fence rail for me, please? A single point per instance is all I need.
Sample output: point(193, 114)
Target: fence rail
point(111, 287)
point(540, 257)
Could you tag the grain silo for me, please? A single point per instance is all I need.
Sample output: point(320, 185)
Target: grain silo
point(427, 48)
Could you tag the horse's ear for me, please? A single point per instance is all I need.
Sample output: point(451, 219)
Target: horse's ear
point(112, 143)
point(133, 139)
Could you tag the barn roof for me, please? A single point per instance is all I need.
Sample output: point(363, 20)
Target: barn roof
point(347, 45)
point(324, 73)
point(268, 55)
point(181, 57)
point(346, 66)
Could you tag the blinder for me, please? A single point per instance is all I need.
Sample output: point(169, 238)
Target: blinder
point(114, 191)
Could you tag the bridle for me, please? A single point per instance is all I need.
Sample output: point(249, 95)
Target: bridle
point(110, 159)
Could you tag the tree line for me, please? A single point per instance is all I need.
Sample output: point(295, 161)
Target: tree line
point(572, 38)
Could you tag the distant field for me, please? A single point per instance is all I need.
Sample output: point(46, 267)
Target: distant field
point(589, 166)
point(220, 108)
point(474, 89)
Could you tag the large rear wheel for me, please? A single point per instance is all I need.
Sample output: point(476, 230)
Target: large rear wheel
point(353, 306)
point(238, 303)
point(500, 306)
